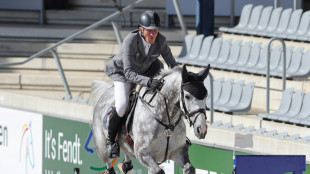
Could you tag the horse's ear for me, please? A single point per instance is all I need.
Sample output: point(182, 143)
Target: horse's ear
point(204, 73)
point(184, 73)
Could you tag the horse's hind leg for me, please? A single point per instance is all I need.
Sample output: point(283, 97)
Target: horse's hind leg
point(181, 157)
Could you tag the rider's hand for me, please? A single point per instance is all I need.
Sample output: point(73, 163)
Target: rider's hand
point(153, 84)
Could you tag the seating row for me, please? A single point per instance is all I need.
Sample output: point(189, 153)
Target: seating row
point(245, 57)
point(261, 131)
point(229, 96)
point(294, 108)
point(275, 23)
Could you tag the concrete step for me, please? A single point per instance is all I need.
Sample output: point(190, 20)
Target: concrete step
point(67, 50)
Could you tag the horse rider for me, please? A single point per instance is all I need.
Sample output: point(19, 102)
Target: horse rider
point(136, 63)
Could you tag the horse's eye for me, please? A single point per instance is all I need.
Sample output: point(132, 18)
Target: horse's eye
point(187, 97)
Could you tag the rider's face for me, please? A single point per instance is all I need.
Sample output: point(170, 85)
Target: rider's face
point(149, 35)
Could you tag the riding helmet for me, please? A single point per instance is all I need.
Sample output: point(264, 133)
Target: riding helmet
point(149, 20)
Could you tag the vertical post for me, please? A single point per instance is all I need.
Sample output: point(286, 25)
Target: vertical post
point(212, 102)
point(180, 16)
point(205, 24)
point(276, 3)
point(232, 13)
point(63, 77)
point(42, 13)
point(268, 71)
point(117, 33)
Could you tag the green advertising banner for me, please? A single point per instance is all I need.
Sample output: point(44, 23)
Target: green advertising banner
point(65, 144)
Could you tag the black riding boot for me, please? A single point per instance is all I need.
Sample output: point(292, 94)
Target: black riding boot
point(114, 126)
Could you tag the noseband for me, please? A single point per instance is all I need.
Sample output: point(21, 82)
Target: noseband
point(194, 112)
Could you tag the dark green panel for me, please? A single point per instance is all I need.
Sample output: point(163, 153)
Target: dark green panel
point(58, 135)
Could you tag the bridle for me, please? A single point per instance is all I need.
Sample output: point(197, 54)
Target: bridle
point(192, 113)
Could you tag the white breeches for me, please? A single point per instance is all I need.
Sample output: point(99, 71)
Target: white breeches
point(121, 93)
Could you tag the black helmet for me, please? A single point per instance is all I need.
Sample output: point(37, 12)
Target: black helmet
point(149, 20)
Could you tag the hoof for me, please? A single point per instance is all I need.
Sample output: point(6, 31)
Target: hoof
point(125, 167)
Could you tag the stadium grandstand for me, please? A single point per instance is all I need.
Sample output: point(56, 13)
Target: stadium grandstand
point(258, 90)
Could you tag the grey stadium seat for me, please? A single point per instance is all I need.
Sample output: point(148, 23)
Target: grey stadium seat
point(194, 50)
point(279, 69)
point(225, 94)
point(224, 52)
point(303, 27)
point(284, 105)
point(217, 90)
point(304, 69)
point(253, 21)
point(187, 43)
point(304, 111)
point(294, 109)
point(263, 21)
point(204, 50)
point(295, 62)
point(283, 23)
point(233, 55)
point(254, 57)
point(214, 52)
point(275, 57)
point(293, 24)
point(273, 22)
point(244, 18)
point(262, 61)
point(235, 96)
point(235, 61)
point(245, 102)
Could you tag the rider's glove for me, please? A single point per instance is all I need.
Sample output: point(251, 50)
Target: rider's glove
point(153, 84)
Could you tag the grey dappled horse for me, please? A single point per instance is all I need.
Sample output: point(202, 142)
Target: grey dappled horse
point(152, 127)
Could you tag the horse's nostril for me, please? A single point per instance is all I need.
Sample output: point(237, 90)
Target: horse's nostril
point(198, 129)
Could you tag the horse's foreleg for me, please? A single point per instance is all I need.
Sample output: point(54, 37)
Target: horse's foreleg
point(146, 158)
point(181, 157)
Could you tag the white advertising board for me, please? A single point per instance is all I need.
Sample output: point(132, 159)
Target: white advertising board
point(20, 142)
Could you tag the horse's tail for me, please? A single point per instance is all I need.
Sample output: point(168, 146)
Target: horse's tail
point(97, 90)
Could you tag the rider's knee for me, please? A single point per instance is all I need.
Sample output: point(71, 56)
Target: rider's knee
point(121, 109)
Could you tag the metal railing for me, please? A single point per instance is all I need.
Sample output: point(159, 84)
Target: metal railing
point(268, 71)
point(71, 37)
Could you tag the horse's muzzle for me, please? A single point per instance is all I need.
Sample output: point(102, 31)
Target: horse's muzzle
point(201, 132)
